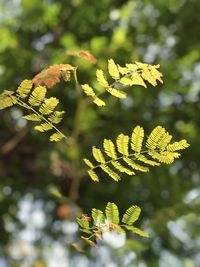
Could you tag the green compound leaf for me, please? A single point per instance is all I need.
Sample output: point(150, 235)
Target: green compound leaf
point(128, 153)
point(99, 223)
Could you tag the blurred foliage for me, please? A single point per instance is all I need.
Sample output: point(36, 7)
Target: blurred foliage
point(35, 34)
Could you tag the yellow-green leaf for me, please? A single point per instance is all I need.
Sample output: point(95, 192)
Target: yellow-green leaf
point(123, 70)
point(99, 102)
point(88, 90)
point(134, 165)
point(24, 88)
point(126, 81)
point(109, 148)
point(88, 163)
point(110, 172)
point(121, 168)
point(137, 80)
point(122, 144)
point(7, 99)
point(32, 117)
point(56, 137)
point(136, 230)
point(98, 155)
point(101, 79)
point(113, 70)
point(37, 96)
point(93, 176)
point(48, 106)
point(43, 127)
point(116, 93)
point(178, 145)
point(56, 117)
point(137, 139)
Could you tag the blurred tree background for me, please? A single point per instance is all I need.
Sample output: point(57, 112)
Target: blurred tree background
point(36, 227)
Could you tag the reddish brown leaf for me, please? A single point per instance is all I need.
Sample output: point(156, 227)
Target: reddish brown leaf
point(51, 75)
point(85, 217)
point(88, 56)
point(82, 53)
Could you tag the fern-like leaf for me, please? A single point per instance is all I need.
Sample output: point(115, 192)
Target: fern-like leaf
point(99, 223)
point(56, 137)
point(32, 117)
point(156, 137)
point(83, 223)
point(131, 215)
point(137, 80)
point(122, 144)
point(93, 176)
point(24, 88)
point(157, 149)
point(134, 165)
point(48, 106)
point(121, 168)
point(162, 144)
point(178, 145)
point(113, 70)
point(37, 96)
point(137, 139)
point(123, 70)
point(112, 213)
point(166, 157)
point(44, 127)
point(144, 159)
point(110, 172)
point(7, 99)
point(136, 230)
point(150, 73)
point(90, 92)
point(98, 155)
point(97, 216)
point(99, 102)
point(101, 78)
point(109, 148)
point(126, 81)
point(88, 163)
point(56, 117)
point(116, 93)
